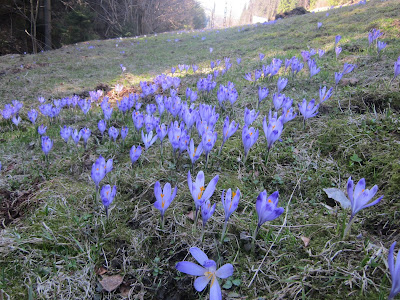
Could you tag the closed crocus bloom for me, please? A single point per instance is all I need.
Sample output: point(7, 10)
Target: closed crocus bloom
point(101, 125)
point(321, 52)
point(324, 95)
point(337, 39)
point(76, 136)
point(207, 272)
point(319, 24)
point(282, 82)
point(195, 68)
point(113, 133)
point(229, 129)
point(394, 268)
point(98, 171)
point(161, 131)
point(308, 110)
point(348, 68)
point(194, 152)
point(380, 46)
point(338, 77)
point(397, 68)
point(277, 100)
point(230, 202)
point(47, 144)
point(314, 70)
point(207, 210)
point(249, 137)
point(164, 197)
point(42, 129)
point(148, 139)
point(107, 195)
point(267, 207)
point(138, 120)
point(16, 120)
point(32, 115)
point(135, 153)
point(273, 129)
point(124, 132)
point(65, 133)
point(250, 116)
point(262, 93)
point(208, 140)
point(109, 165)
point(288, 115)
point(85, 133)
point(338, 50)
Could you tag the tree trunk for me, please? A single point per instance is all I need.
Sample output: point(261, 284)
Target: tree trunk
point(47, 25)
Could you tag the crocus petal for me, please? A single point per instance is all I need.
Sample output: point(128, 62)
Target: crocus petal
point(157, 191)
point(210, 188)
point(350, 188)
point(167, 190)
point(201, 282)
point(198, 255)
point(215, 290)
point(373, 202)
point(225, 271)
point(391, 260)
point(190, 268)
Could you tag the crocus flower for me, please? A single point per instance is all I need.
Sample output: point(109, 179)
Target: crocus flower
point(42, 129)
point(85, 133)
point(238, 60)
point(319, 25)
point(249, 137)
point(394, 268)
point(228, 130)
point(107, 196)
point(338, 77)
point(135, 153)
point(262, 94)
point(248, 77)
point(230, 202)
point(164, 198)
point(250, 116)
point(273, 129)
point(312, 65)
point(324, 95)
point(47, 144)
point(76, 136)
point(194, 152)
point(337, 39)
point(288, 114)
point(348, 68)
point(199, 193)
point(282, 82)
point(16, 120)
point(98, 171)
point(267, 209)
point(102, 126)
point(148, 139)
point(380, 46)
point(65, 133)
point(124, 132)
point(277, 100)
point(109, 165)
point(208, 140)
point(208, 272)
point(113, 133)
point(32, 115)
point(261, 56)
point(321, 52)
point(207, 210)
point(396, 68)
point(308, 110)
point(337, 51)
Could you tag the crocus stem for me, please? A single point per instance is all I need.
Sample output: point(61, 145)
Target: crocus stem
point(161, 151)
point(304, 124)
point(95, 195)
point(202, 233)
point(224, 230)
point(220, 149)
point(106, 210)
point(195, 220)
point(254, 237)
point(207, 158)
point(267, 156)
point(347, 230)
point(162, 222)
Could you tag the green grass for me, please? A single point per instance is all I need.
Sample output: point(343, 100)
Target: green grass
point(55, 235)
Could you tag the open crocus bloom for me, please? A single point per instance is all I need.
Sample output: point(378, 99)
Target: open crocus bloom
point(207, 272)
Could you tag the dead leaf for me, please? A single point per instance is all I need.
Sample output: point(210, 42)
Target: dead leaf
point(124, 289)
point(190, 215)
point(101, 271)
point(339, 196)
point(305, 240)
point(110, 283)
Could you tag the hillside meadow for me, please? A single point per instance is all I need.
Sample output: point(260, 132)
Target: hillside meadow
point(58, 241)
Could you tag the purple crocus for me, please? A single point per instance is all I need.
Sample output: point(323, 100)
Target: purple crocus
point(124, 132)
point(319, 25)
point(321, 52)
point(98, 171)
point(230, 202)
point(199, 193)
point(337, 39)
point(338, 50)
point(348, 68)
point(76, 136)
point(228, 130)
point(207, 210)
point(65, 133)
point(113, 133)
point(261, 56)
point(135, 153)
point(282, 82)
point(148, 139)
point(249, 137)
point(194, 152)
point(338, 77)
point(288, 114)
point(262, 94)
point(102, 126)
point(164, 198)
point(250, 116)
point(85, 133)
point(394, 268)
point(107, 195)
point(273, 129)
point(360, 198)
point(16, 120)
point(324, 95)
point(42, 129)
point(396, 68)
point(267, 209)
point(248, 77)
point(380, 46)
point(47, 144)
point(32, 115)
point(207, 272)
point(308, 110)
point(312, 65)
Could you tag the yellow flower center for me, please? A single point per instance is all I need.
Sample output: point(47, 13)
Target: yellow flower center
point(201, 192)
point(269, 201)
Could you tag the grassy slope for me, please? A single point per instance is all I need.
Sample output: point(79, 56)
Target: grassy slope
point(53, 250)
